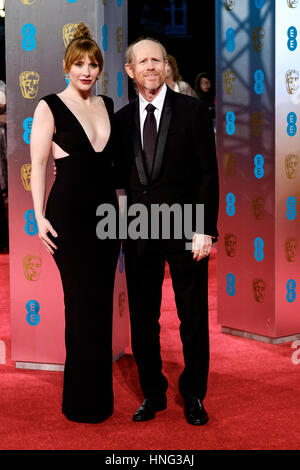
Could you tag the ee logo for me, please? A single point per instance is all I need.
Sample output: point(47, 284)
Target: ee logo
point(259, 77)
point(28, 33)
point(27, 124)
point(230, 208)
point(230, 278)
point(292, 34)
point(291, 293)
point(291, 120)
point(120, 84)
point(259, 166)
point(104, 38)
point(230, 39)
point(291, 208)
point(31, 227)
point(259, 249)
point(230, 122)
point(33, 308)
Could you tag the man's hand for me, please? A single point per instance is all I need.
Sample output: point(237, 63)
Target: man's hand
point(201, 246)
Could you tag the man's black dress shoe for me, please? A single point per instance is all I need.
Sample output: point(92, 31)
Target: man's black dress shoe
point(148, 408)
point(195, 412)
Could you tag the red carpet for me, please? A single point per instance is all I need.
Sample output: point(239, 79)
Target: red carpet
point(253, 396)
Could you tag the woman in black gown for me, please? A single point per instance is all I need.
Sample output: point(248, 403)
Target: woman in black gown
point(77, 127)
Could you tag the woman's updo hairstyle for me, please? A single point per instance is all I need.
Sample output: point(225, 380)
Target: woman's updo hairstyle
point(81, 44)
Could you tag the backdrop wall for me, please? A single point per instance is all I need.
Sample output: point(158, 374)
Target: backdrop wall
point(37, 33)
point(258, 148)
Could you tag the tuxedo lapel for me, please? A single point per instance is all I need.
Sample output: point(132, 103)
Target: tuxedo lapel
point(163, 132)
point(137, 147)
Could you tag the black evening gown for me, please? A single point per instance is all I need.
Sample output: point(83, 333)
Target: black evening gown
point(87, 264)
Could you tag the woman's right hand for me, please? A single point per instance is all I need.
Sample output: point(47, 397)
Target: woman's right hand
point(44, 228)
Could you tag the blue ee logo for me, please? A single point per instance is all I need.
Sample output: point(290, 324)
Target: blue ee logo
point(230, 40)
point(259, 166)
point(291, 208)
point(259, 249)
point(291, 292)
point(291, 127)
point(71, 1)
point(230, 288)
point(33, 308)
point(104, 37)
point(230, 207)
point(31, 227)
point(292, 34)
point(120, 84)
point(27, 124)
point(230, 122)
point(259, 77)
point(28, 33)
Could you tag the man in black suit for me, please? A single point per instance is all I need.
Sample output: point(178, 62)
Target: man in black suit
point(167, 156)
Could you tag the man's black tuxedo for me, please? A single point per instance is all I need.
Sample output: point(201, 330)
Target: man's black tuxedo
point(185, 167)
point(184, 172)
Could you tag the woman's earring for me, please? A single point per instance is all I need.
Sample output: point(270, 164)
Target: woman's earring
point(67, 76)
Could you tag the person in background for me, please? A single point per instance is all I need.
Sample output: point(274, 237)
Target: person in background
point(174, 79)
point(204, 91)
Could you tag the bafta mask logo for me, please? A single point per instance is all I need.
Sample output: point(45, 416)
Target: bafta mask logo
point(257, 123)
point(292, 3)
point(25, 176)
point(292, 81)
point(29, 83)
point(291, 165)
point(32, 267)
point(258, 35)
point(104, 83)
point(290, 248)
point(122, 304)
point(229, 78)
point(28, 2)
point(68, 32)
point(229, 4)
point(230, 244)
point(119, 38)
point(259, 290)
point(230, 164)
point(258, 205)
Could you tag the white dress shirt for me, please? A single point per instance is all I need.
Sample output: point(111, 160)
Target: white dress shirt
point(158, 102)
